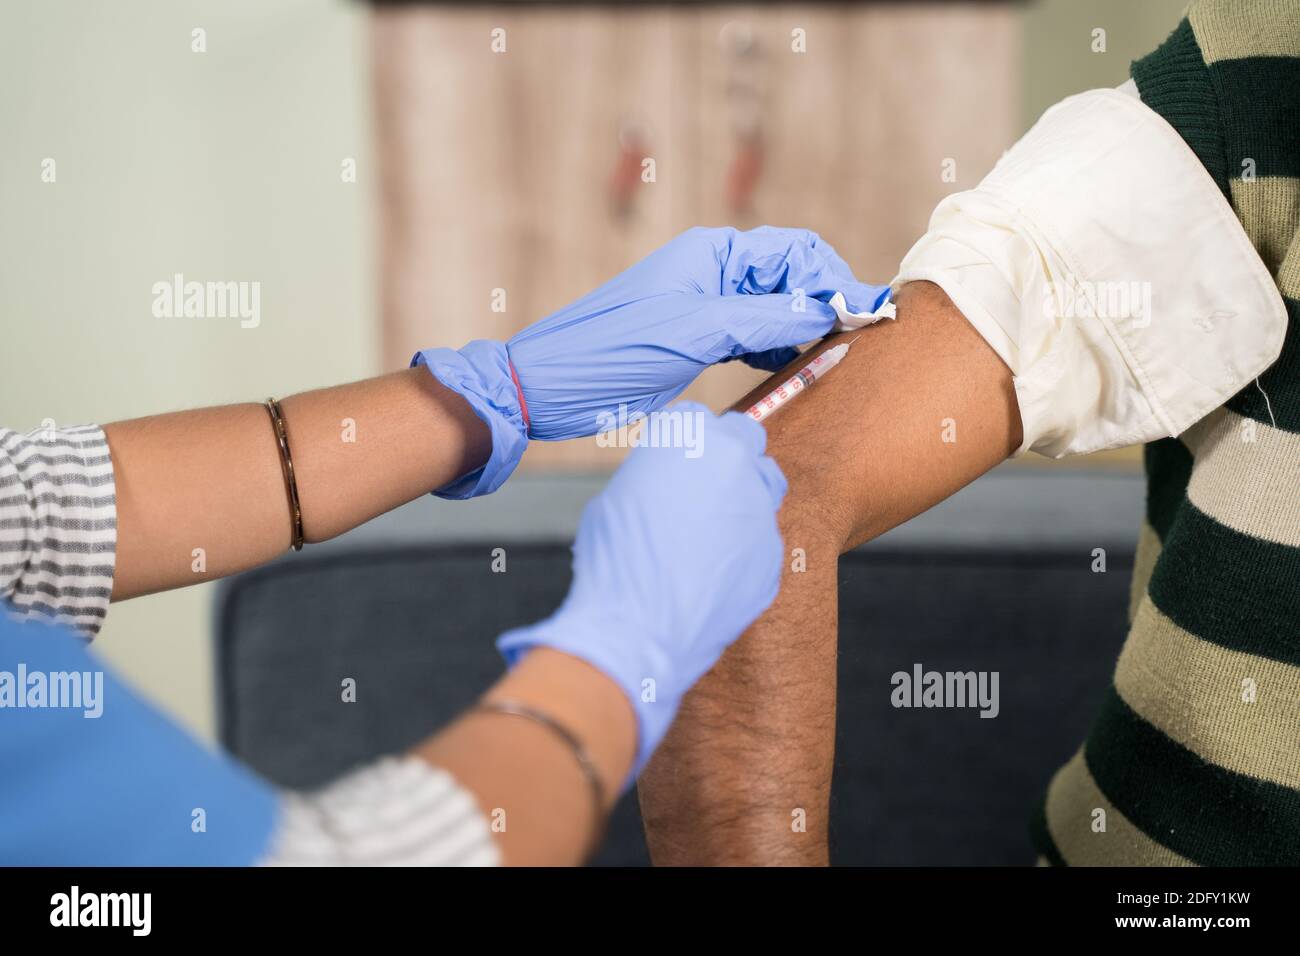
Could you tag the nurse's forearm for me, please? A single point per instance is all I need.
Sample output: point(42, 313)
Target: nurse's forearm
point(920, 407)
point(526, 778)
point(200, 494)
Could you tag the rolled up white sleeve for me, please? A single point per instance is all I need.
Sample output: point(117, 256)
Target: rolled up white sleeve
point(1104, 266)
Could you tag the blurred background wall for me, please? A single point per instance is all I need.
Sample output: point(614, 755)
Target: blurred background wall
point(223, 165)
point(474, 171)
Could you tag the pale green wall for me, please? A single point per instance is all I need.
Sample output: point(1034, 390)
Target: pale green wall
point(222, 165)
point(1058, 56)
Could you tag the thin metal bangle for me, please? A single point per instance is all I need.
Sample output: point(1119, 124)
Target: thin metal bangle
point(286, 467)
point(514, 708)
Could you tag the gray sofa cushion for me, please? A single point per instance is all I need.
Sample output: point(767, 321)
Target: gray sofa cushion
point(414, 627)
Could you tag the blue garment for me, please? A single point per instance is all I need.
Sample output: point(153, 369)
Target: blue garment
point(120, 789)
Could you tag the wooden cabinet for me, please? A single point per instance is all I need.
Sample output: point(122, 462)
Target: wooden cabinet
point(521, 170)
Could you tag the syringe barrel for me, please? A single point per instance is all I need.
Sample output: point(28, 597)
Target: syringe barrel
point(788, 389)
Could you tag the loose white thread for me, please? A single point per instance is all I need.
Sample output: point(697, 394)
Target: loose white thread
point(1267, 403)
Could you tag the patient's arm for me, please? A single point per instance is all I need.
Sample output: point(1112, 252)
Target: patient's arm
point(864, 451)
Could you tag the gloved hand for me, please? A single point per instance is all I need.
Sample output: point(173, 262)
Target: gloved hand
point(673, 560)
point(634, 344)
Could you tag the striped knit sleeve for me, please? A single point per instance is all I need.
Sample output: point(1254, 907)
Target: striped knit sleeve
point(58, 525)
point(396, 812)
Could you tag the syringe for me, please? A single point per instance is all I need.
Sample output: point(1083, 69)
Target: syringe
point(787, 390)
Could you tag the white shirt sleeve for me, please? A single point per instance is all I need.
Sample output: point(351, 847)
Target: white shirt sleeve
point(1107, 270)
point(396, 812)
point(58, 525)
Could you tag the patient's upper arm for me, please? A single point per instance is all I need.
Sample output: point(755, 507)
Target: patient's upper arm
point(919, 407)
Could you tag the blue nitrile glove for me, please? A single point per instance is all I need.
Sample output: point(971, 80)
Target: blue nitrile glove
point(673, 560)
point(634, 344)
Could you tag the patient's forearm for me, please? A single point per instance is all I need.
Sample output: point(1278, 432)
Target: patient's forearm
point(920, 407)
point(200, 494)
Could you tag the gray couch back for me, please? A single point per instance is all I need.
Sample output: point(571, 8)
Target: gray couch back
point(414, 625)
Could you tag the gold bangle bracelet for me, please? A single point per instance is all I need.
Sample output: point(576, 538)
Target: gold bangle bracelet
point(286, 467)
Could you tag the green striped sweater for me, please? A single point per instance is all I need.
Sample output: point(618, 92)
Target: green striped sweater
point(1194, 758)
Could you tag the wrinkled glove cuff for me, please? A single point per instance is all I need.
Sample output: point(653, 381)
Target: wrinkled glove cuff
point(587, 636)
point(480, 373)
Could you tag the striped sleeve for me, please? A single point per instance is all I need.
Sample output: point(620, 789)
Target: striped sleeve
point(396, 812)
point(1194, 756)
point(58, 525)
